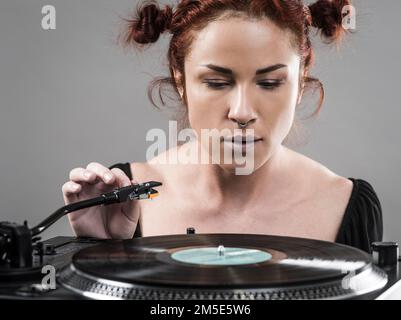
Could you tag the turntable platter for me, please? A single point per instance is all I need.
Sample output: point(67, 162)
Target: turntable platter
point(229, 266)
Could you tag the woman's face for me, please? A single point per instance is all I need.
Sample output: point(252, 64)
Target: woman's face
point(226, 82)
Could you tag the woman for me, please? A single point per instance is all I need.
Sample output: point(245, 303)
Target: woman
point(235, 65)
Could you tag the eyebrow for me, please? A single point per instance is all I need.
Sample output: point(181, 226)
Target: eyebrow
point(258, 72)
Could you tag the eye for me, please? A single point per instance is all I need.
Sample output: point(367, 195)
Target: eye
point(216, 84)
point(219, 84)
point(270, 85)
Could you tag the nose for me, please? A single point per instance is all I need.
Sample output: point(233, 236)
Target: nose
point(241, 108)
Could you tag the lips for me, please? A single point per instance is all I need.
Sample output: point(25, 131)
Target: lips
point(241, 139)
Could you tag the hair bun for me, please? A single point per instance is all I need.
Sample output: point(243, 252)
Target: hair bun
point(327, 16)
point(150, 23)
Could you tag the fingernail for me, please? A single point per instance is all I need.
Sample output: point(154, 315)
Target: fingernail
point(108, 176)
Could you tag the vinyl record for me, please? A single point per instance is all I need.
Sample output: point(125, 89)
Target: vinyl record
point(221, 262)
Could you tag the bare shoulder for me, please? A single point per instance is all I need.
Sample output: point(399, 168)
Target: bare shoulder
point(143, 171)
point(157, 168)
point(325, 195)
point(322, 180)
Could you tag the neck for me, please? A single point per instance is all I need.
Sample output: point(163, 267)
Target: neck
point(240, 191)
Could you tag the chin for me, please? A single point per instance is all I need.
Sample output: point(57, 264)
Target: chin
point(246, 168)
point(250, 161)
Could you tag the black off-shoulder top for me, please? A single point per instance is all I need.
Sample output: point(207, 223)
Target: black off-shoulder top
point(362, 223)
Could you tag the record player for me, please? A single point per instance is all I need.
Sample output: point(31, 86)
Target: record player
point(188, 266)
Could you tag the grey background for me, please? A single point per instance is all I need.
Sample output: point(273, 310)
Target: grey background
point(71, 96)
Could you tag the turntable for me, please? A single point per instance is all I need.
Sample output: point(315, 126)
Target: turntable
point(188, 266)
point(221, 266)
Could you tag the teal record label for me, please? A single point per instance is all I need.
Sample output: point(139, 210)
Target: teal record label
point(224, 256)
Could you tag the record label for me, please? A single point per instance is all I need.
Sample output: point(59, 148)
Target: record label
point(224, 256)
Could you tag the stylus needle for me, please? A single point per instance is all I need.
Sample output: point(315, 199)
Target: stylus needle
point(138, 191)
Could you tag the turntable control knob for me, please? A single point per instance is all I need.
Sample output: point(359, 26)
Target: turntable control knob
point(190, 230)
point(385, 253)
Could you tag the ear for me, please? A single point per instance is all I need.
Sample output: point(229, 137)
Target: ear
point(178, 78)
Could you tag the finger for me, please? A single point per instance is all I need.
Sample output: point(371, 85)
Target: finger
point(105, 174)
point(103, 187)
point(83, 175)
point(70, 191)
point(122, 178)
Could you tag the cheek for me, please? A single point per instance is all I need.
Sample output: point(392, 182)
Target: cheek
point(199, 118)
point(203, 111)
point(280, 111)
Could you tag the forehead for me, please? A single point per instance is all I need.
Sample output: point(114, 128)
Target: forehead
point(242, 42)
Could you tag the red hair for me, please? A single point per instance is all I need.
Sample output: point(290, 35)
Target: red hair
point(189, 16)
